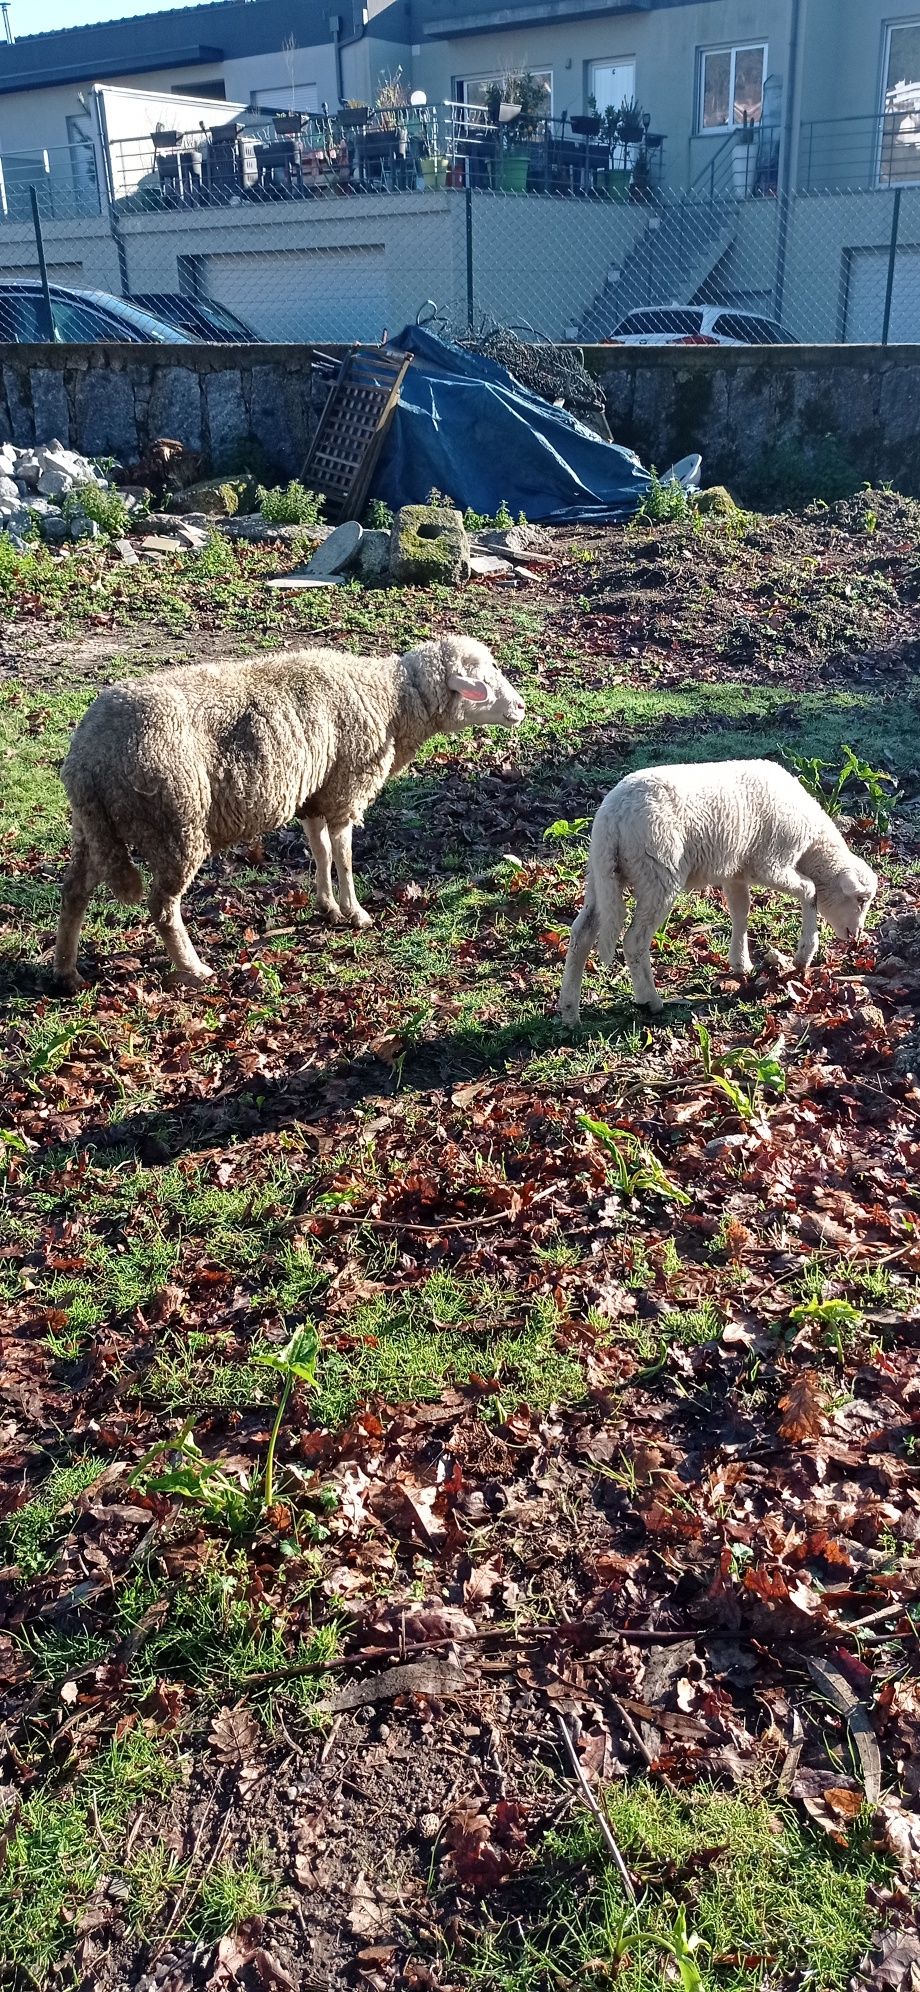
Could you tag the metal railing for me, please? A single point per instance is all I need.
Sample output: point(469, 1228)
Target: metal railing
point(744, 166)
point(64, 177)
point(864, 152)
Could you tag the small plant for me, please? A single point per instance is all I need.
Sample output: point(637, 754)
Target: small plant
point(289, 505)
point(224, 1500)
point(636, 1172)
point(378, 517)
point(742, 1075)
point(833, 788)
point(664, 500)
point(94, 501)
point(296, 1363)
point(838, 1321)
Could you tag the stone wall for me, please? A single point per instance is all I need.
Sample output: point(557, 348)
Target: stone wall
point(750, 413)
point(736, 405)
point(114, 400)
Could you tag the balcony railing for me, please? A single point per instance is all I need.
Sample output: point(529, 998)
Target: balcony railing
point(64, 178)
point(852, 153)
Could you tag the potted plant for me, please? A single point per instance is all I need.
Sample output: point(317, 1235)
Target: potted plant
point(434, 172)
point(589, 125)
point(631, 129)
point(515, 105)
point(743, 161)
point(616, 178)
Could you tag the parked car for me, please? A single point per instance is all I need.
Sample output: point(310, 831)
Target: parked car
point(203, 317)
point(80, 316)
point(698, 325)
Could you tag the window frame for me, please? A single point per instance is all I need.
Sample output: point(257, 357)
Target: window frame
point(489, 76)
point(887, 141)
point(732, 49)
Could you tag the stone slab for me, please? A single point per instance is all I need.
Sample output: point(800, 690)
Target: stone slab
point(338, 550)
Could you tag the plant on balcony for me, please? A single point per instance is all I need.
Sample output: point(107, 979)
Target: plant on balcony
point(515, 105)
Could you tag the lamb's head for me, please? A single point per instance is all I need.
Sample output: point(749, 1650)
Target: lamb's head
point(845, 896)
point(467, 683)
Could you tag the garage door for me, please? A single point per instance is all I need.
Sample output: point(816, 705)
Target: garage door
point(868, 280)
point(302, 294)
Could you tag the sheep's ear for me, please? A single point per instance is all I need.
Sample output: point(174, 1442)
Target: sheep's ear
point(472, 690)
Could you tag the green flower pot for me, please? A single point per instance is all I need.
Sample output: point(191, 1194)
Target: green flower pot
point(512, 173)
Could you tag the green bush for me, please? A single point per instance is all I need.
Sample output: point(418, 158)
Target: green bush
point(96, 501)
point(378, 518)
point(290, 505)
point(664, 499)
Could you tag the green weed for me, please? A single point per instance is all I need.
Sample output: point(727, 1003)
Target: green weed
point(29, 1532)
point(634, 1171)
point(289, 505)
point(98, 502)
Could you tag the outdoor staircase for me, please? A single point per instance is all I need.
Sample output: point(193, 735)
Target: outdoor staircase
point(680, 247)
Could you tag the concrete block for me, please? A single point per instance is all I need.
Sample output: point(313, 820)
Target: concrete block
point(429, 544)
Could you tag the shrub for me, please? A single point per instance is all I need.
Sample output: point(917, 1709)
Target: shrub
point(290, 505)
point(378, 518)
point(664, 499)
point(96, 501)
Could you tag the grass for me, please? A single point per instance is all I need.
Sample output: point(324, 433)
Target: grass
point(58, 1848)
point(760, 1894)
point(29, 1533)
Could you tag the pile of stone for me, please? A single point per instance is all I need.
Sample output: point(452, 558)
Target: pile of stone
point(424, 545)
point(33, 483)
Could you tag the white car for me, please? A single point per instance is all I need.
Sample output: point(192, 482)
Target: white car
point(697, 325)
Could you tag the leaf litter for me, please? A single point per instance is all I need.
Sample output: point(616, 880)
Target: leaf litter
point(615, 1424)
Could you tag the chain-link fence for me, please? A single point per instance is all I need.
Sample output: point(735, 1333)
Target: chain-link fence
point(254, 236)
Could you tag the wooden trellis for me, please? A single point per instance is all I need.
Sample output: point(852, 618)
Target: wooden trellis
point(351, 429)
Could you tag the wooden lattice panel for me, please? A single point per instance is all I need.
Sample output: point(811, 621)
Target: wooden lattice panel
point(351, 429)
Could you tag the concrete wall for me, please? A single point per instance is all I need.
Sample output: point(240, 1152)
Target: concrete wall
point(734, 403)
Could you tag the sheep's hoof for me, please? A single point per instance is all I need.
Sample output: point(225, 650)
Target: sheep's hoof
point(68, 981)
point(359, 918)
point(742, 968)
point(330, 912)
point(653, 1003)
point(191, 978)
point(569, 1013)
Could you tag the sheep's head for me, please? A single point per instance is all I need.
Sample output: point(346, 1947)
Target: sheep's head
point(844, 898)
point(477, 691)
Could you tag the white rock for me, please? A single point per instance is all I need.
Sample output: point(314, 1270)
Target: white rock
point(9, 490)
point(54, 481)
point(28, 469)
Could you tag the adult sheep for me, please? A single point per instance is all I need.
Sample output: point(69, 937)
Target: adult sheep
point(184, 763)
point(731, 824)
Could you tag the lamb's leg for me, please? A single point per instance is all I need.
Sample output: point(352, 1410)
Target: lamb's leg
point(792, 882)
point(318, 840)
point(79, 884)
point(341, 851)
point(650, 914)
point(738, 901)
point(581, 941)
point(165, 904)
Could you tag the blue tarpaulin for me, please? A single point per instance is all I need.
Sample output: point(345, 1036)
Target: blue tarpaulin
point(465, 427)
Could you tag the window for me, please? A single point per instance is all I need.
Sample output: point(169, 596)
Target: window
point(642, 323)
point(899, 156)
point(474, 90)
point(750, 331)
point(612, 83)
point(216, 90)
point(731, 86)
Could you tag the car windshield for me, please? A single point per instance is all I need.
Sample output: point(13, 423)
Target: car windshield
point(670, 321)
point(120, 313)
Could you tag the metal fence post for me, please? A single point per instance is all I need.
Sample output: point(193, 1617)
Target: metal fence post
point(42, 266)
point(892, 259)
point(470, 311)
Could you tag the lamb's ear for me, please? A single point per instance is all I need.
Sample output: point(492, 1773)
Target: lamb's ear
point(472, 690)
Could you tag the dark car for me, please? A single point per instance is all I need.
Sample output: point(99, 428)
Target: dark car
point(80, 317)
point(202, 317)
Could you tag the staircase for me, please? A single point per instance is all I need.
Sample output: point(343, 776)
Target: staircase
point(680, 247)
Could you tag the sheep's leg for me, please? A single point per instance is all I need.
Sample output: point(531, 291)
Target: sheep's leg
point(341, 851)
point(165, 905)
point(650, 914)
point(738, 901)
point(581, 941)
point(318, 840)
point(798, 887)
point(79, 884)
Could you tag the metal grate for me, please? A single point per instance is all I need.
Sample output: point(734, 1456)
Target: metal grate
point(352, 427)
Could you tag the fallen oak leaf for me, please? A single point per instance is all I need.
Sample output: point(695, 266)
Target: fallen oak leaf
point(804, 1414)
point(836, 1689)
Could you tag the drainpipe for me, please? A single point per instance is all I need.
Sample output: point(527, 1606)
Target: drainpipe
point(788, 173)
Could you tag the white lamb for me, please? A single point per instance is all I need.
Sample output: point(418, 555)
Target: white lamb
point(731, 824)
point(183, 763)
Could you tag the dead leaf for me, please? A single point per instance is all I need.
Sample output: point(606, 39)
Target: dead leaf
point(804, 1411)
point(242, 1958)
point(899, 1832)
point(829, 1799)
point(234, 1735)
point(432, 1678)
point(367, 1915)
point(836, 1689)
